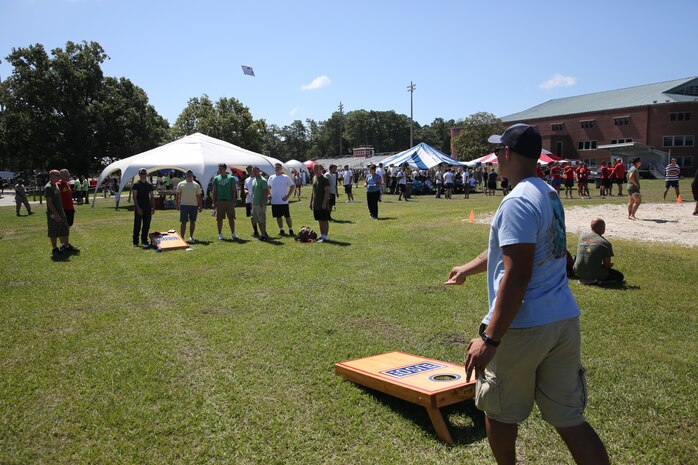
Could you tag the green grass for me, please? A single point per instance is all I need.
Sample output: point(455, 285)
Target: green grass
point(225, 354)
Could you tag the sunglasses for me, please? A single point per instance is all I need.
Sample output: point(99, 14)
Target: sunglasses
point(498, 149)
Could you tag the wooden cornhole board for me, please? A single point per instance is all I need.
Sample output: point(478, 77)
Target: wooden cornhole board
point(430, 383)
point(168, 241)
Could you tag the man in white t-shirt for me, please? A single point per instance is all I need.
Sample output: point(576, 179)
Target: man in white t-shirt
point(529, 346)
point(401, 178)
point(381, 173)
point(282, 188)
point(331, 176)
point(190, 201)
point(348, 177)
point(248, 200)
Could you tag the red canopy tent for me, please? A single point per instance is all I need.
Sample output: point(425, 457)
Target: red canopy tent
point(545, 158)
point(309, 164)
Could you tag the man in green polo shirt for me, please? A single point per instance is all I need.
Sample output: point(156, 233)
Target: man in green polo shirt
point(224, 195)
point(260, 195)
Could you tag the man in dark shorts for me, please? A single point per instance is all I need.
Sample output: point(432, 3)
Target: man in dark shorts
point(348, 177)
point(671, 177)
point(144, 201)
point(260, 196)
point(555, 177)
point(56, 220)
point(282, 188)
point(605, 180)
point(319, 202)
point(569, 181)
point(619, 175)
point(694, 188)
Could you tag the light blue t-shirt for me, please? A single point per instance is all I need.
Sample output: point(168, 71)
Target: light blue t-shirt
point(532, 214)
point(372, 182)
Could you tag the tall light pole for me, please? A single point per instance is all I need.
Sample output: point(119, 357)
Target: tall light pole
point(411, 89)
point(341, 117)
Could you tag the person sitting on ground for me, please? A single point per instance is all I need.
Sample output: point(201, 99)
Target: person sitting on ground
point(592, 264)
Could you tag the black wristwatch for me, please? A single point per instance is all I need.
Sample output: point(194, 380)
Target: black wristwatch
point(489, 341)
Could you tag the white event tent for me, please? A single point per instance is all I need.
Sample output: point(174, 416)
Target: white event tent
point(197, 152)
point(298, 166)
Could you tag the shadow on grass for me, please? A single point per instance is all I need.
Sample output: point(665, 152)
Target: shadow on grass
point(60, 258)
point(465, 422)
point(333, 242)
point(198, 242)
point(659, 221)
point(334, 220)
point(386, 218)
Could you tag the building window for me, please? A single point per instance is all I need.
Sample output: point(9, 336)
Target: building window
point(587, 124)
point(586, 145)
point(621, 141)
point(680, 116)
point(621, 121)
point(677, 141)
point(558, 126)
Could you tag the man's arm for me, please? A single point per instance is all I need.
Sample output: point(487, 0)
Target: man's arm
point(234, 192)
point(178, 198)
point(291, 190)
point(152, 201)
point(265, 196)
point(326, 197)
point(200, 199)
point(474, 266)
point(518, 269)
point(49, 204)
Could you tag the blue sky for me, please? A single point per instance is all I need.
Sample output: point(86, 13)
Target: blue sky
point(464, 56)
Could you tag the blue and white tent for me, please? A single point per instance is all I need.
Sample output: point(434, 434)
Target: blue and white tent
point(422, 156)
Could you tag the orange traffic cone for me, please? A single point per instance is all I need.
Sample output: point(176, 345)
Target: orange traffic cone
point(678, 199)
point(472, 216)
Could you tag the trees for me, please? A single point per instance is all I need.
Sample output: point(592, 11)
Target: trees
point(472, 141)
point(60, 111)
point(228, 119)
point(437, 134)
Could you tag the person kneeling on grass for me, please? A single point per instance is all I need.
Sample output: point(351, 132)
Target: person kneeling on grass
point(593, 262)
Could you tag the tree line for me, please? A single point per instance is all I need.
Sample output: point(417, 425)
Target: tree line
point(59, 109)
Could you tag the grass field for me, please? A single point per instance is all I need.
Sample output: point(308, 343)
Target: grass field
point(225, 354)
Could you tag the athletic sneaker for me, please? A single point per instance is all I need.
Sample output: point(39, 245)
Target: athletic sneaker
point(56, 252)
point(281, 232)
point(291, 233)
point(191, 239)
point(255, 234)
point(220, 237)
point(321, 240)
point(234, 236)
point(263, 238)
point(69, 249)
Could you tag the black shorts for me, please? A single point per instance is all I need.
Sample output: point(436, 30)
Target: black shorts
point(606, 182)
point(492, 185)
point(321, 215)
point(347, 188)
point(70, 216)
point(401, 188)
point(618, 180)
point(248, 210)
point(669, 184)
point(279, 210)
point(569, 182)
point(332, 201)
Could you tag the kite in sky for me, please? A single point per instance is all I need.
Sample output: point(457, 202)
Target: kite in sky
point(247, 70)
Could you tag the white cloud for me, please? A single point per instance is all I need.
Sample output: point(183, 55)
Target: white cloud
point(558, 80)
point(293, 112)
point(318, 82)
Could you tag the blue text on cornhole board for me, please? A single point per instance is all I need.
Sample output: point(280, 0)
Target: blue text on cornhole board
point(412, 369)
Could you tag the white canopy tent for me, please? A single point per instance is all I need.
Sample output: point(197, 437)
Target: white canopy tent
point(298, 166)
point(197, 152)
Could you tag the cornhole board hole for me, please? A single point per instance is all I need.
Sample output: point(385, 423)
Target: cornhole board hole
point(430, 383)
point(168, 240)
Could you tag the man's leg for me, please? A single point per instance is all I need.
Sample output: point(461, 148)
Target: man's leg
point(192, 227)
point(630, 206)
point(502, 439)
point(638, 201)
point(219, 223)
point(146, 228)
point(183, 229)
point(677, 191)
point(137, 220)
point(289, 223)
point(280, 222)
point(324, 228)
point(584, 444)
point(231, 223)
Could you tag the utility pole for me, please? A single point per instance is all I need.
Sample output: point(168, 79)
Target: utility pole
point(341, 117)
point(411, 89)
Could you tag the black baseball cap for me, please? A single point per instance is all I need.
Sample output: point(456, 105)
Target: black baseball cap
point(522, 139)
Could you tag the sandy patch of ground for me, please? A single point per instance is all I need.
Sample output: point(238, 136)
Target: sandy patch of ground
point(668, 223)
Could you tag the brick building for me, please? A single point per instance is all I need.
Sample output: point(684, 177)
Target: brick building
point(654, 122)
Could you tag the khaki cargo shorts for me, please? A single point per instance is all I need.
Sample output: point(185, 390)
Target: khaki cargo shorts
point(541, 364)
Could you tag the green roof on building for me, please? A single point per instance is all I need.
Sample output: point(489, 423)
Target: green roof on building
point(679, 90)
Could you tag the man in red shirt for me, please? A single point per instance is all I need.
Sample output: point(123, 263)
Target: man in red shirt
point(619, 176)
point(555, 177)
point(605, 180)
point(569, 181)
point(63, 186)
point(583, 181)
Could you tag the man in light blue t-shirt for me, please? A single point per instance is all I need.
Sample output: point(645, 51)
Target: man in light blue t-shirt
point(529, 345)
